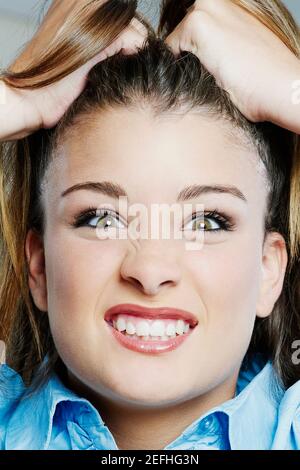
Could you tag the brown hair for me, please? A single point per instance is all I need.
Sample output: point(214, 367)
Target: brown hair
point(155, 77)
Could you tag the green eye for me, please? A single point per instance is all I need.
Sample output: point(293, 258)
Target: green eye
point(210, 222)
point(106, 221)
point(205, 224)
point(103, 219)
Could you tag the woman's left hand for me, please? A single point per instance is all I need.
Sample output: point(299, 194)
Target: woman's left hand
point(247, 59)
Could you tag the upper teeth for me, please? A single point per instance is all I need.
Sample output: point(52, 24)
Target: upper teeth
point(144, 327)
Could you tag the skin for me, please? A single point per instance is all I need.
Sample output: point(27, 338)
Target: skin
point(248, 60)
point(178, 386)
point(264, 82)
point(146, 400)
point(25, 110)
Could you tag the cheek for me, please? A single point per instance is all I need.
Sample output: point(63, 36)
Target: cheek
point(227, 279)
point(78, 271)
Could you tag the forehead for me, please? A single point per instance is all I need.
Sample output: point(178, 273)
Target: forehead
point(159, 154)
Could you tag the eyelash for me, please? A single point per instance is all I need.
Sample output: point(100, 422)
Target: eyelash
point(226, 223)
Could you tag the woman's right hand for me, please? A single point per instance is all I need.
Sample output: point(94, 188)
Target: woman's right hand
point(23, 111)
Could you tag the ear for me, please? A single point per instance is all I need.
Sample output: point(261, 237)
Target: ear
point(274, 263)
point(34, 250)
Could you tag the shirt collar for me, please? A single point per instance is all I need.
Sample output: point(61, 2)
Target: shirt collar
point(244, 416)
point(253, 412)
point(241, 415)
point(36, 412)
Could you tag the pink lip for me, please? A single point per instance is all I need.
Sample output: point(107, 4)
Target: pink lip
point(150, 313)
point(152, 346)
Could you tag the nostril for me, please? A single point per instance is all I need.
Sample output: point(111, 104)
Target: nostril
point(135, 282)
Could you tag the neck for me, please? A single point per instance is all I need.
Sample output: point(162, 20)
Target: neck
point(153, 429)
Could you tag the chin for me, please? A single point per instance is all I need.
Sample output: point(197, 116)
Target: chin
point(148, 398)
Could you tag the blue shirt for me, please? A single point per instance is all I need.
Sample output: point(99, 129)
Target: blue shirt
point(260, 416)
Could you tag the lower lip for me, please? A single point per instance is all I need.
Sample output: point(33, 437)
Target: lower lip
point(150, 347)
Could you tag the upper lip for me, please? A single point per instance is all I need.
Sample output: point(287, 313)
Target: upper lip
point(151, 313)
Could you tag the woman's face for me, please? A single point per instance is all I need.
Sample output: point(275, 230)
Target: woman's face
point(225, 284)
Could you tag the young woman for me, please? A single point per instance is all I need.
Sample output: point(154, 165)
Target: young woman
point(116, 342)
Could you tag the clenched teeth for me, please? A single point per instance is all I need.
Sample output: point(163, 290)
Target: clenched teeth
point(154, 329)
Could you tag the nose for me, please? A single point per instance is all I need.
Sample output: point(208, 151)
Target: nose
point(150, 269)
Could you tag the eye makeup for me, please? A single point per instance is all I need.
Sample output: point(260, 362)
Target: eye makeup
point(223, 221)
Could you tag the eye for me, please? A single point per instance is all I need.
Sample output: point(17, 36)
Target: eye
point(210, 222)
point(102, 218)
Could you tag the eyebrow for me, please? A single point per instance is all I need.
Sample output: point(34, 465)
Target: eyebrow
point(114, 190)
point(196, 190)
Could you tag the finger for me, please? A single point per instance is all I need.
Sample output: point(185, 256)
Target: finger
point(133, 37)
point(131, 49)
point(136, 24)
point(173, 42)
point(128, 42)
point(131, 44)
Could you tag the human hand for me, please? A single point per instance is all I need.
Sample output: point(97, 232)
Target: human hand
point(247, 59)
point(27, 110)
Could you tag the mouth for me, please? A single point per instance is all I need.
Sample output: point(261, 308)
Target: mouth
point(148, 330)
